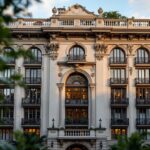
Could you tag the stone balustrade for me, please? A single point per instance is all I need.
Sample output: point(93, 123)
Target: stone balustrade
point(77, 132)
point(98, 22)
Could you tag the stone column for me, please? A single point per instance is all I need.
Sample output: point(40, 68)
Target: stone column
point(92, 110)
point(61, 122)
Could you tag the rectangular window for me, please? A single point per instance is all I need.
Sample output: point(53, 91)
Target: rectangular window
point(119, 113)
point(7, 73)
point(116, 132)
point(32, 113)
point(8, 94)
point(143, 93)
point(118, 94)
point(118, 73)
point(6, 134)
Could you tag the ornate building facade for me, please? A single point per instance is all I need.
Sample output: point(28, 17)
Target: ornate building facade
point(89, 81)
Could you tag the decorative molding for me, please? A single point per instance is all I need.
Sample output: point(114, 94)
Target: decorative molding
point(60, 86)
point(100, 50)
point(52, 50)
point(130, 48)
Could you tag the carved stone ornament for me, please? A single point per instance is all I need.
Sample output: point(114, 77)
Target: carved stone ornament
point(100, 51)
point(130, 49)
point(52, 50)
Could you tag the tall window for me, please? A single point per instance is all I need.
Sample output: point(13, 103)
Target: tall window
point(143, 75)
point(142, 56)
point(143, 93)
point(76, 101)
point(118, 94)
point(76, 53)
point(117, 55)
point(37, 56)
point(8, 94)
point(7, 73)
point(6, 134)
point(33, 75)
point(7, 58)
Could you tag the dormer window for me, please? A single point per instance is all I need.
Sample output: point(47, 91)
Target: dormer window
point(76, 53)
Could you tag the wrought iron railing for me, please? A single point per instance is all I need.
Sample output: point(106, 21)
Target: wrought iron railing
point(118, 80)
point(119, 121)
point(117, 60)
point(142, 80)
point(142, 60)
point(6, 121)
point(76, 58)
point(30, 121)
point(124, 101)
point(31, 80)
point(143, 121)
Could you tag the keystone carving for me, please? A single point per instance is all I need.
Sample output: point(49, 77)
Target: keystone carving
point(130, 49)
point(100, 51)
point(52, 50)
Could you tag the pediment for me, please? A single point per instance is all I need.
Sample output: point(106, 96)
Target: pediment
point(78, 10)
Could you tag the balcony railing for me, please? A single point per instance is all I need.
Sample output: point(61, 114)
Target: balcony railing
point(76, 122)
point(30, 121)
point(142, 81)
point(31, 102)
point(6, 121)
point(118, 81)
point(142, 60)
point(117, 60)
point(31, 80)
point(119, 122)
point(76, 58)
point(6, 80)
point(35, 62)
point(7, 101)
point(120, 102)
point(76, 102)
point(77, 132)
point(143, 121)
point(142, 102)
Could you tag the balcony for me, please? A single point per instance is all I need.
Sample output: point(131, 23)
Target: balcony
point(75, 103)
point(6, 122)
point(8, 102)
point(33, 62)
point(124, 102)
point(119, 122)
point(142, 61)
point(142, 81)
point(142, 102)
point(27, 122)
point(118, 81)
point(6, 81)
point(76, 59)
point(117, 61)
point(32, 81)
point(71, 122)
point(143, 122)
point(28, 102)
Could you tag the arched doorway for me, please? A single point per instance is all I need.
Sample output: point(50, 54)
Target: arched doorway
point(77, 147)
point(76, 101)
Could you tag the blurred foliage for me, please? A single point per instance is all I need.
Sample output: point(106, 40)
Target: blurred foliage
point(134, 142)
point(113, 15)
point(25, 141)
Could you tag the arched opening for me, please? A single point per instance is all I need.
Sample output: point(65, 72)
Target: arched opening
point(77, 147)
point(37, 54)
point(142, 56)
point(117, 55)
point(76, 53)
point(76, 101)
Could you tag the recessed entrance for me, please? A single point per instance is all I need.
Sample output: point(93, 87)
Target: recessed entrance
point(77, 147)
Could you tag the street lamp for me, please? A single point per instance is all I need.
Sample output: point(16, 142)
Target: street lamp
point(101, 145)
point(53, 125)
point(100, 123)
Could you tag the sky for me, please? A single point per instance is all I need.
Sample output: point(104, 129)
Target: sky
point(129, 8)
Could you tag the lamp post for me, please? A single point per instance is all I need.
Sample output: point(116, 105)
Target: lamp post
point(100, 123)
point(101, 145)
point(53, 125)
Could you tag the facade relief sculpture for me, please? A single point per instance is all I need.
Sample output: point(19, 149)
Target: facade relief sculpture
point(100, 50)
point(52, 50)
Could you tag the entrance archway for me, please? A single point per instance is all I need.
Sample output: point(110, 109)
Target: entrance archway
point(77, 147)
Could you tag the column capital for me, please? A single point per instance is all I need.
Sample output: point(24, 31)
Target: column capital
point(92, 85)
point(60, 86)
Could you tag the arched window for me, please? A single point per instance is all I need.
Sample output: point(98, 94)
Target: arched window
point(76, 102)
point(76, 53)
point(117, 56)
point(7, 55)
point(37, 56)
point(142, 56)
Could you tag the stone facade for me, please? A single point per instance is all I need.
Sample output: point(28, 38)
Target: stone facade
point(95, 38)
